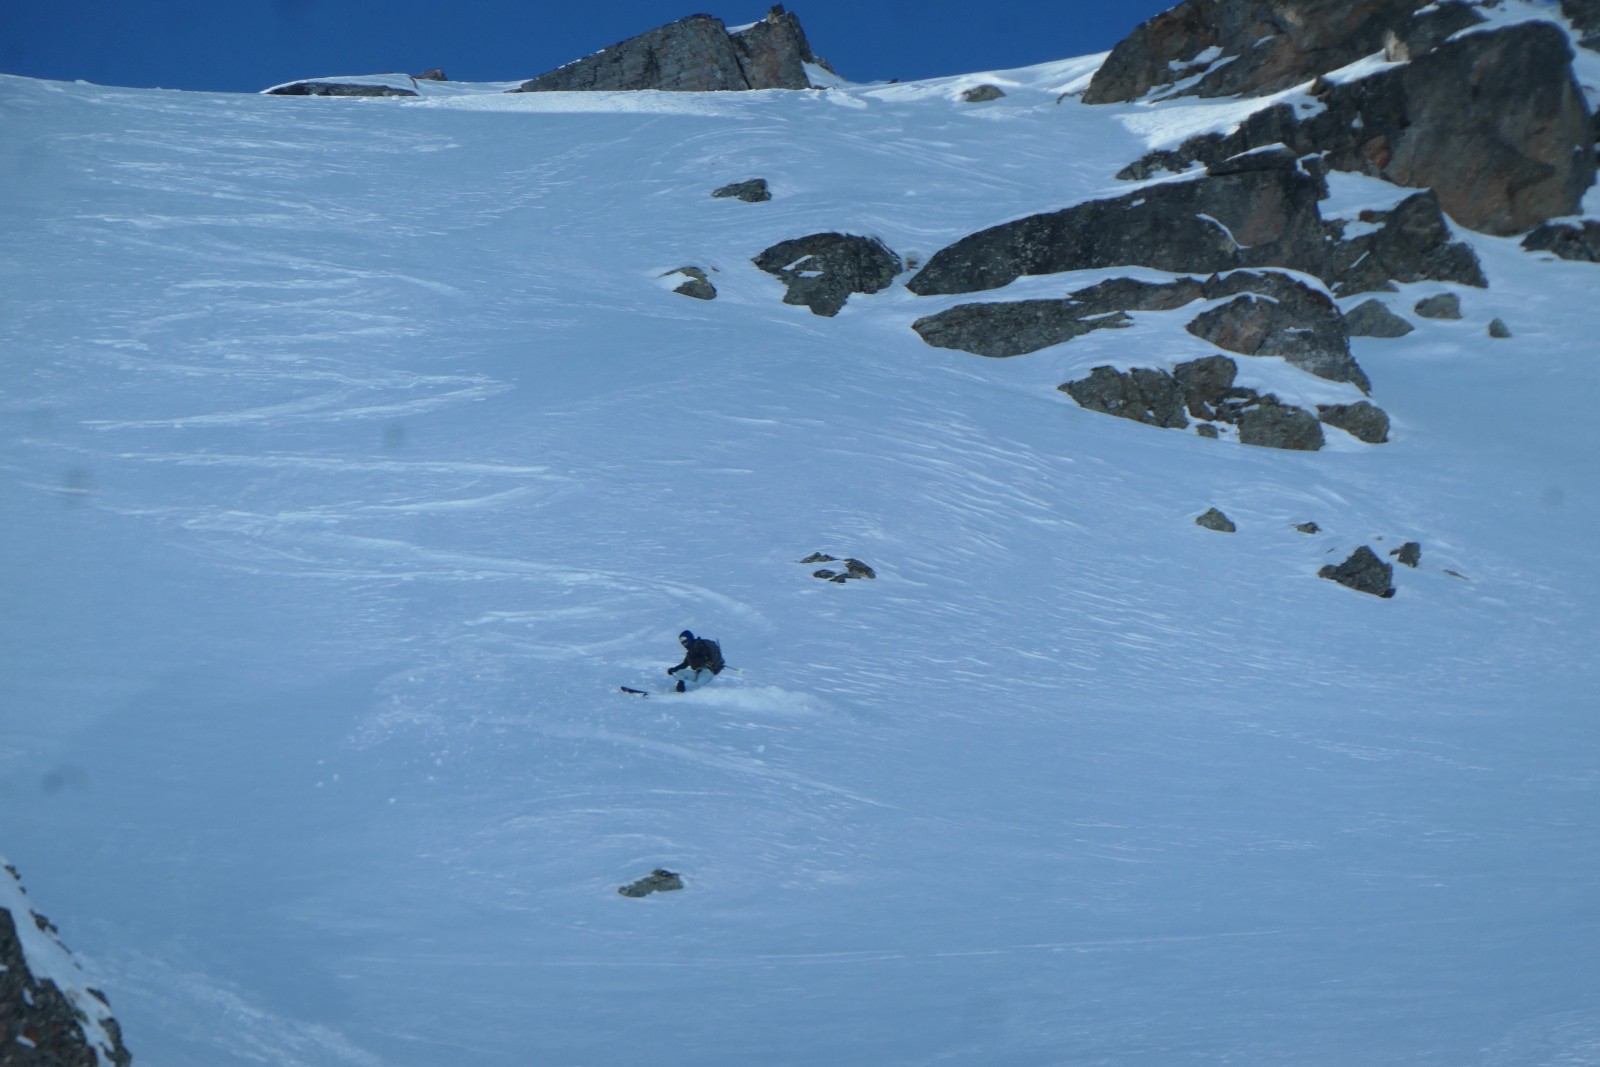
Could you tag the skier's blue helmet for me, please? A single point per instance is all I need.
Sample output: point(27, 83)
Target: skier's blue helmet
point(685, 637)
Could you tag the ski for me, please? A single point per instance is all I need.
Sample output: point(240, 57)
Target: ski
point(635, 692)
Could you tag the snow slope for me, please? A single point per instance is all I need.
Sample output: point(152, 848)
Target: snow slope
point(353, 452)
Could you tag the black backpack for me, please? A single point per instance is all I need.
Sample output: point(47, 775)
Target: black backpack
point(710, 652)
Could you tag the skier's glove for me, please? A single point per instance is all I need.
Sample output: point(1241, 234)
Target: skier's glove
point(672, 670)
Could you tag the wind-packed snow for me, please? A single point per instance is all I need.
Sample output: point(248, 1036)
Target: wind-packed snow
point(354, 452)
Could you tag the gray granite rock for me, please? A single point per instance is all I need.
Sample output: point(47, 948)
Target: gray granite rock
point(1372, 318)
point(1364, 572)
point(822, 271)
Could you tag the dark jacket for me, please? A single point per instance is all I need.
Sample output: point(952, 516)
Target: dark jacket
point(701, 654)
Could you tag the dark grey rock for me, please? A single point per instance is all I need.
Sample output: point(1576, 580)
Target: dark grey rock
point(40, 1025)
point(1308, 528)
point(1372, 318)
point(432, 74)
point(1409, 553)
point(1011, 328)
point(818, 557)
point(695, 283)
point(1206, 384)
point(1363, 572)
point(982, 94)
point(856, 569)
point(754, 191)
point(1576, 240)
point(337, 89)
point(1243, 219)
point(694, 54)
point(1216, 520)
point(1363, 420)
point(822, 270)
point(1499, 330)
point(1205, 429)
point(1270, 424)
point(1413, 243)
point(826, 574)
point(1143, 395)
point(659, 880)
point(1439, 306)
point(1278, 316)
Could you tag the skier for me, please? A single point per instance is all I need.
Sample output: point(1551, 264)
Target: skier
point(702, 658)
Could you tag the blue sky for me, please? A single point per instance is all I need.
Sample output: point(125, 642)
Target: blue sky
point(247, 45)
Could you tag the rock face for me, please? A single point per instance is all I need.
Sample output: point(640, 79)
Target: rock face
point(822, 270)
point(695, 54)
point(1264, 45)
point(1585, 16)
point(1577, 240)
point(1493, 122)
point(1363, 420)
point(1363, 572)
point(42, 1024)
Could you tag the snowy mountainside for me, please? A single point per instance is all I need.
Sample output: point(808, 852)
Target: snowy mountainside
point(355, 452)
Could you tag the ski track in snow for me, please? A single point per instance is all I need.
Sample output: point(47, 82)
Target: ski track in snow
point(356, 453)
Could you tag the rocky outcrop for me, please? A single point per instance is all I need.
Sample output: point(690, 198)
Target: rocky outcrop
point(46, 1021)
point(1278, 316)
point(1270, 424)
point(1493, 122)
point(432, 74)
point(753, 191)
point(822, 270)
point(1140, 394)
point(336, 89)
point(1499, 330)
point(1228, 47)
point(1364, 572)
point(1567, 238)
point(1412, 243)
point(1216, 520)
point(1372, 318)
point(1012, 328)
point(1409, 553)
point(694, 54)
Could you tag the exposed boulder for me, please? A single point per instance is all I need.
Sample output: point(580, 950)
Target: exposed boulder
point(982, 94)
point(432, 74)
point(1263, 45)
point(822, 270)
point(1567, 238)
point(1216, 520)
point(1412, 243)
point(1141, 394)
point(1207, 386)
point(1265, 217)
point(1439, 306)
point(1012, 328)
point(1270, 424)
point(1499, 330)
point(1363, 420)
point(659, 880)
point(1372, 318)
point(336, 89)
point(1278, 316)
point(1363, 572)
point(1308, 527)
point(695, 283)
point(694, 54)
point(753, 191)
point(47, 1020)
point(1409, 553)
